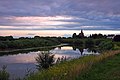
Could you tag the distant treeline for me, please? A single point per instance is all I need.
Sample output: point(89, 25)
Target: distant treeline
point(74, 36)
point(6, 38)
point(8, 42)
point(11, 43)
point(98, 36)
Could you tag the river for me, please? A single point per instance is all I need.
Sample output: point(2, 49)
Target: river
point(19, 64)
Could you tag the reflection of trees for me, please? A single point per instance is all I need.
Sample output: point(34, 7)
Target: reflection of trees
point(92, 49)
point(89, 43)
point(26, 51)
point(59, 47)
point(74, 48)
point(81, 50)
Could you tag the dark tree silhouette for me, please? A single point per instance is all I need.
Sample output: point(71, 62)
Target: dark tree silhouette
point(80, 35)
point(117, 38)
point(6, 38)
point(74, 35)
point(97, 36)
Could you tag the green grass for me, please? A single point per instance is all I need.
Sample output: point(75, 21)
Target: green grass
point(70, 70)
point(108, 69)
point(116, 45)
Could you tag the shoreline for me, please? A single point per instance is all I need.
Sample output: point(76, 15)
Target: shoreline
point(33, 48)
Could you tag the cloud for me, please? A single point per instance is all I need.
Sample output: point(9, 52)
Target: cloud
point(59, 14)
point(57, 7)
point(31, 34)
point(55, 23)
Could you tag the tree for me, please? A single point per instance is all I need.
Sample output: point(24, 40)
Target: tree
point(74, 35)
point(44, 60)
point(117, 38)
point(5, 38)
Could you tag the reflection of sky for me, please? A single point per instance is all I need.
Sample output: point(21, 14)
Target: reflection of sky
point(85, 51)
point(30, 57)
point(19, 58)
point(65, 51)
point(68, 52)
point(17, 64)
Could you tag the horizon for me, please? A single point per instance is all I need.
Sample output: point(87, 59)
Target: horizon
point(54, 33)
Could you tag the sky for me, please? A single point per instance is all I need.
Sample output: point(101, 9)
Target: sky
point(59, 15)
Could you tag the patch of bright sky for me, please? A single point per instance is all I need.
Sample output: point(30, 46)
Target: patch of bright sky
point(65, 33)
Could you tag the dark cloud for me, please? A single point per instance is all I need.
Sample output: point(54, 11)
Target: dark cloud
point(57, 7)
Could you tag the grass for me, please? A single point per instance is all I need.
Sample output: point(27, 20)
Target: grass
point(70, 70)
point(109, 69)
point(117, 45)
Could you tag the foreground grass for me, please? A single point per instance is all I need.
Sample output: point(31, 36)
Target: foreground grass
point(116, 45)
point(71, 70)
point(109, 69)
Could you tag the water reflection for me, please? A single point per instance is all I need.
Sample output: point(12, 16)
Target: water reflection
point(19, 62)
point(70, 52)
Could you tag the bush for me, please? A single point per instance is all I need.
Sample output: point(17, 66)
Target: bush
point(3, 74)
point(106, 45)
point(2, 45)
point(89, 43)
point(78, 42)
point(44, 60)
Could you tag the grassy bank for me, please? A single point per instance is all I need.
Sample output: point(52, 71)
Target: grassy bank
point(107, 70)
point(70, 70)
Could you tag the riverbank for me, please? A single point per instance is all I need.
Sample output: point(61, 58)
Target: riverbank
point(30, 49)
point(71, 70)
point(108, 69)
point(27, 43)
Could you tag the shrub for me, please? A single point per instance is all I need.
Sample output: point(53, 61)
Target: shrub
point(78, 42)
point(3, 74)
point(106, 45)
point(44, 60)
point(89, 43)
point(2, 45)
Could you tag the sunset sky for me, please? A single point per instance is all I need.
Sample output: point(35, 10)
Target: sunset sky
point(34, 15)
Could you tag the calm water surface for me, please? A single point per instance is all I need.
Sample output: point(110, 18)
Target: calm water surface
point(19, 64)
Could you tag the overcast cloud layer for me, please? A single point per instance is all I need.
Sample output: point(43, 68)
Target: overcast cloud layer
point(59, 14)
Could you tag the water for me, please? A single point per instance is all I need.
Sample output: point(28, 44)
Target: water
point(19, 64)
